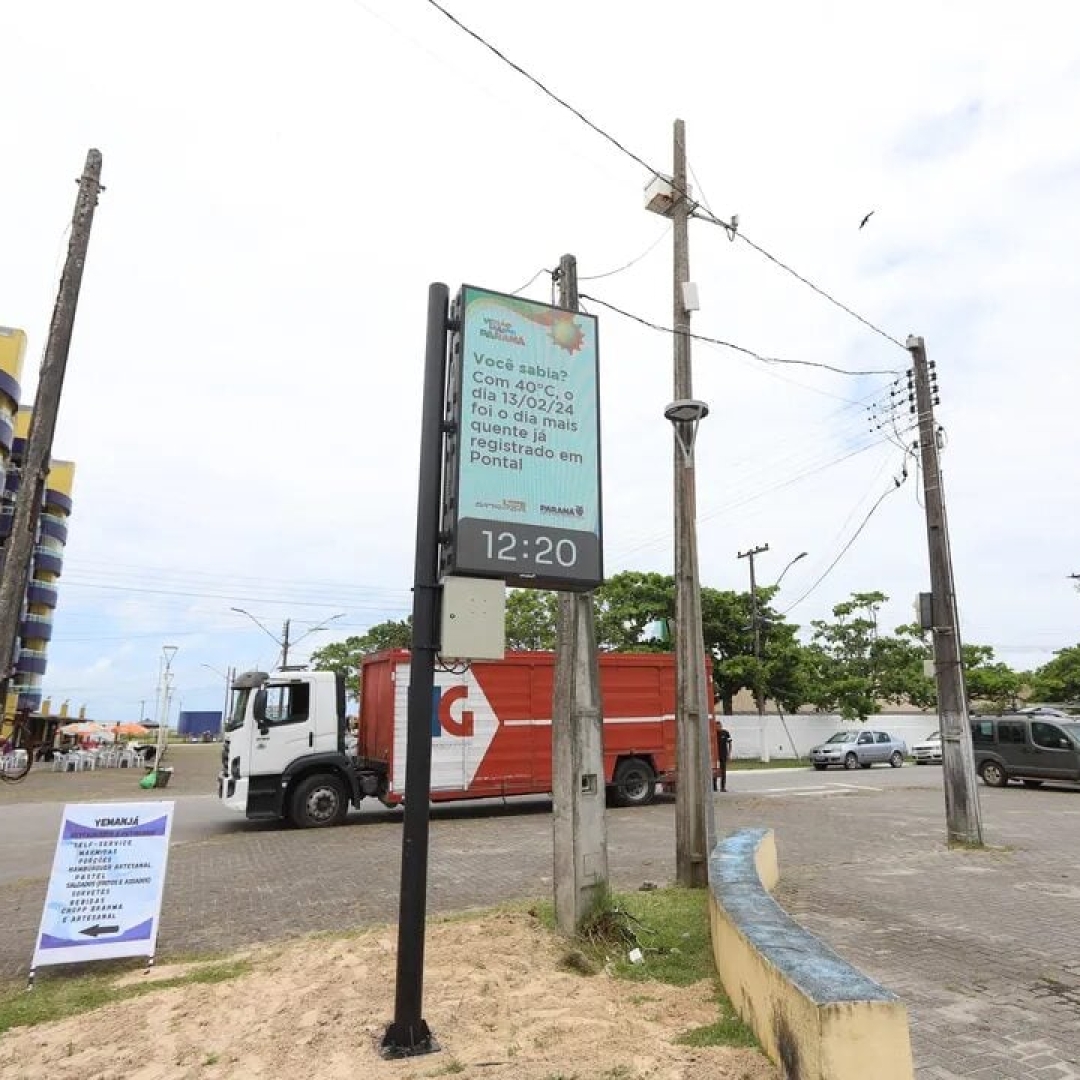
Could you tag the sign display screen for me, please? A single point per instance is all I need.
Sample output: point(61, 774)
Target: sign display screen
point(522, 478)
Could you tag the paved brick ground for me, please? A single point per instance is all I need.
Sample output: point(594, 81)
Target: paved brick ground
point(984, 947)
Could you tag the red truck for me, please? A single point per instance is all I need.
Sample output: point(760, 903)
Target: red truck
point(289, 754)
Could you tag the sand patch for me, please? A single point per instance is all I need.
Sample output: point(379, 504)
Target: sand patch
point(494, 996)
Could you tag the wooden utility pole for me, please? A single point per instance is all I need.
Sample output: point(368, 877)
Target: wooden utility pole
point(759, 696)
point(35, 469)
point(577, 738)
point(694, 820)
point(962, 817)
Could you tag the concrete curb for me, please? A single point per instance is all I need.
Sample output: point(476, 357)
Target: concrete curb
point(814, 1014)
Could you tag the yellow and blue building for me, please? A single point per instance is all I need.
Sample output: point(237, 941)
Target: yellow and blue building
point(35, 629)
point(12, 354)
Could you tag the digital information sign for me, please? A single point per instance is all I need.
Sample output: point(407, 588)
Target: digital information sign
point(522, 466)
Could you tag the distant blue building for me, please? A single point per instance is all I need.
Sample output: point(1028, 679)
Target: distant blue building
point(194, 722)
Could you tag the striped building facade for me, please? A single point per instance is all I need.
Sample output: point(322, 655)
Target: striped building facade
point(35, 630)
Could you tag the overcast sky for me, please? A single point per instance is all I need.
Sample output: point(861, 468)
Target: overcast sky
point(284, 180)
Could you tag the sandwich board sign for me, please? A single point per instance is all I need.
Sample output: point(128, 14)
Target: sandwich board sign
point(108, 874)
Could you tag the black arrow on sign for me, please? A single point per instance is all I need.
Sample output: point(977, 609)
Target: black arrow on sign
point(97, 931)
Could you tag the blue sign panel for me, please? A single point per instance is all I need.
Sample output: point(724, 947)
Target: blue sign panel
point(104, 896)
point(523, 454)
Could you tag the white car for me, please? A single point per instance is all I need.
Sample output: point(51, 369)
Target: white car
point(928, 752)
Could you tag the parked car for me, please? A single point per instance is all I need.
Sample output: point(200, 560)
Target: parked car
point(1043, 710)
point(861, 749)
point(1032, 749)
point(928, 752)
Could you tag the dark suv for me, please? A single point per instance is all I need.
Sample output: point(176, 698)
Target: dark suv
point(1032, 749)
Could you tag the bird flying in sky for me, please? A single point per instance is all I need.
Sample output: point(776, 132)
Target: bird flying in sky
point(866, 219)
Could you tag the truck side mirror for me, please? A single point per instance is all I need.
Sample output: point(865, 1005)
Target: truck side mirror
point(258, 709)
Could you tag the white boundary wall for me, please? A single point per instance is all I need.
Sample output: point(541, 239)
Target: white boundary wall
point(806, 730)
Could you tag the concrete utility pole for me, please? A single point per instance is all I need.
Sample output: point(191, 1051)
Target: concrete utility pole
point(577, 746)
point(39, 441)
point(962, 817)
point(694, 808)
point(285, 643)
point(759, 697)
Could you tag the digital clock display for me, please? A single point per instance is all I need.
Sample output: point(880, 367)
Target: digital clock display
point(522, 463)
point(528, 554)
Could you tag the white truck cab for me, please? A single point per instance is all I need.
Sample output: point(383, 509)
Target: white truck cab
point(284, 753)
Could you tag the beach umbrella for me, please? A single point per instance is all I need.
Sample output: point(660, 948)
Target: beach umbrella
point(128, 729)
point(82, 727)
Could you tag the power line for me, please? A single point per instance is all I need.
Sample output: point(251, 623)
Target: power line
point(543, 89)
point(732, 345)
point(844, 550)
point(522, 288)
point(758, 493)
point(210, 596)
point(712, 218)
point(156, 573)
point(626, 266)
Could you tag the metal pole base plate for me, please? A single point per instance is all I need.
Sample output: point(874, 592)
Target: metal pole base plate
point(403, 1042)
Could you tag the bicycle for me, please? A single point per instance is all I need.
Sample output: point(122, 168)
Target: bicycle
point(22, 749)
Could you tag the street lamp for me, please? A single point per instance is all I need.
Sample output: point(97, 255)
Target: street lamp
point(269, 633)
point(283, 642)
point(164, 699)
point(695, 826)
point(228, 677)
point(801, 555)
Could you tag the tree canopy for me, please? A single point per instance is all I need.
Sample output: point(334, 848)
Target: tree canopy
point(849, 666)
point(345, 656)
point(1058, 680)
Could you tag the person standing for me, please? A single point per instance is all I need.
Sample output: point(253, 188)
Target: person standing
point(723, 752)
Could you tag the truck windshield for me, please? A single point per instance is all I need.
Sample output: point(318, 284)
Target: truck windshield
point(238, 710)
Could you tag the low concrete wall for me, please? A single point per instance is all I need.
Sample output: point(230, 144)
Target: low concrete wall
point(814, 1014)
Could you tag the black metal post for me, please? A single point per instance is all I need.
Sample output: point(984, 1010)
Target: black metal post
point(408, 1034)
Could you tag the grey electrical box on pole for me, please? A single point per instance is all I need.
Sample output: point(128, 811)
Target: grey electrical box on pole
point(577, 738)
point(39, 441)
point(962, 816)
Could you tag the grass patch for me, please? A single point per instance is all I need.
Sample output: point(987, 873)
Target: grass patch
point(729, 1030)
point(671, 928)
point(986, 849)
point(65, 995)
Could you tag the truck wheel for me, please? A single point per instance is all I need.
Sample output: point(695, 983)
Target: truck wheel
point(317, 802)
point(635, 783)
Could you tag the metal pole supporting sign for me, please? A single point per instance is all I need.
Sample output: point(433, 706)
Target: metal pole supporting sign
point(408, 1034)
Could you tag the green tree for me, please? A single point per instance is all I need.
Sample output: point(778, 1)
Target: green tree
point(631, 609)
point(990, 680)
point(530, 619)
point(727, 624)
point(1058, 680)
point(846, 657)
point(901, 666)
point(345, 656)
